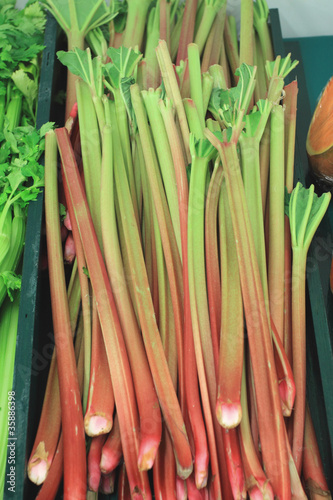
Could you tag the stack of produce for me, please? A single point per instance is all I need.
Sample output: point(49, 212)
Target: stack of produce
point(186, 302)
point(21, 178)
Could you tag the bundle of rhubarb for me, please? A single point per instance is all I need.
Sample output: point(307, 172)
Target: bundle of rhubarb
point(179, 365)
point(21, 179)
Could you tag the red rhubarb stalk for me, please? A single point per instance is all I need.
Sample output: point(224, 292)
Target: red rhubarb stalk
point(71, 409)
point(94, 456)
point(111, 329)
point(268, 402)
point(112, 451)
point(98, 417)
point(191, 381)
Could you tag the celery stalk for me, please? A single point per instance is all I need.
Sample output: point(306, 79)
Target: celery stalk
point(8, 331)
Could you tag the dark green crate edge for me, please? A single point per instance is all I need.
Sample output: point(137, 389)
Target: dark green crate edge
point(29, 291)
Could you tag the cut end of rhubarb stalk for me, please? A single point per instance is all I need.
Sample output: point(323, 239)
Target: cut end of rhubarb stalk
point(262, 491)
point(95, 425)
point(38, 465)
point(319, 143)
point(201, 474)
point(109, 461)
point(287, 396)
point(147, 454)
point(37, 472)
point(229, 415)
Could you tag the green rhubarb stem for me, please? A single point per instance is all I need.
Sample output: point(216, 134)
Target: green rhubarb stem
point(91, 152)
point(228, 405)
point(267, 394)
point(231, 51)
point(251, 178)
point(125, 142)
point(153, 36)
point(165, 21)
point(290, 104)
point(212, 254)
point(72, 419)
point(113, 338)
point(195, 80)
point(260, 16)
point(187, 30)
point(145, 392)
point(246, 33)
point(260, 90)
point(75, 39)
point(276, 220)
point(172, 257)
point(197, 286)
point(194, 122)
point(211, 8)
point(192, 395)
point(154, 348)
point(214, 44)
point(173, 92)
point(163, 150)
point(136, 23)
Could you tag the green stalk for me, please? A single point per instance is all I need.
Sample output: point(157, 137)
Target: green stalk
point(233, 29)
point(8, 332)
point(125, 141)
point(195, 80)
point(175, 36)
point(212, 254)
point(91, 152)
point(246, 33)
point(159, 132)
point(217, 73)
point(136, 23)
point(14, 110)
point(231, 51)
point(260, 90)
point(145, 392)
point(155, 353)
point(228, 404)
point(214, 44)
point(207, 88)
point(305, 212)
point(260, 16)
point(173, 92)
point(165, 6)
point(193, 118)
point(172, 257)
point(276, 220)
point(290, 104)
point(190, 377)
point(2, 110)
point(153, 36)
point(15, 249)
point(200, 322)
point(211, 8)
